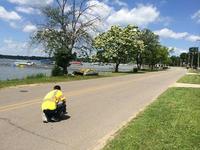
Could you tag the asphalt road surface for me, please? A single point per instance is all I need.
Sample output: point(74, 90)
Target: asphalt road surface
point(96, 109)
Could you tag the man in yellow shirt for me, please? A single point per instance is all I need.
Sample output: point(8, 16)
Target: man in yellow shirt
point(53, 105)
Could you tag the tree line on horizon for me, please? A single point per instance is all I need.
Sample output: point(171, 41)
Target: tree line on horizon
point(188, 59)
point(23, 57)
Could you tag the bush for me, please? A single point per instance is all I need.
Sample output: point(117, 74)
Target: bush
point(57, 71)
point(135, 70)
point(165, 68)
point(36, 76)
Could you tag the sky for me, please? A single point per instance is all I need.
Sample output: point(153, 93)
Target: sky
point(177, 22)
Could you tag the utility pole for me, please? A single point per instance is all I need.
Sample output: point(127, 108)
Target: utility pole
point(192, 59)
point(198, 54)
point(198, 59)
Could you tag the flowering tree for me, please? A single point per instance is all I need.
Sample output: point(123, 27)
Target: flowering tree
point(118, 45)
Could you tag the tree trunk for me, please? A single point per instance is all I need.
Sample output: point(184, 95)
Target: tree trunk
point(192, 60)
point(65, 70)
point(137, 61)
point(141, 61)
point(117, 67)
point(152, 67)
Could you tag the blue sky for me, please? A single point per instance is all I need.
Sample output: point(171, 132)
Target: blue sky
point(177, 22)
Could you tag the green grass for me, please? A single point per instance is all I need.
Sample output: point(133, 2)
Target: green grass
point(193, 71)
point(41, 78)
point(192, 79)
point(172, 122)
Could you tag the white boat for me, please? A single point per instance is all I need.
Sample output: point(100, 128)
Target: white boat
point(86, 72)
point(23, 63)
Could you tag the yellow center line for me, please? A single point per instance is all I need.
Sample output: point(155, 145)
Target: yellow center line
point(69, 94)
point(19, 106)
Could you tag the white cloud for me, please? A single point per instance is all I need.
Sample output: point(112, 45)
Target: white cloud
point(196, 16)
point(177, 51)
point(142, 15)
point(167, 33)
point(12, 47)
point(99, 9)
point(8, 16)
point(32, 2)
point(29, 28)
point(117, 2)
point(193, 38)
point(27, 10)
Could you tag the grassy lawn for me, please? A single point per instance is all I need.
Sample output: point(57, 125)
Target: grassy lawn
point(193, 79)
point(193, 71)
point(172, 122)
point(40, 78)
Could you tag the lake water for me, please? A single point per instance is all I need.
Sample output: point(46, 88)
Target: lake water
point(9, 71)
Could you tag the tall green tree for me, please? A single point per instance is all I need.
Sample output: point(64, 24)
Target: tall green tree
point(193, 56)
point(66, 28)
point(175, 61)
point(184, 58)
point(152, 45)
point(163, 55)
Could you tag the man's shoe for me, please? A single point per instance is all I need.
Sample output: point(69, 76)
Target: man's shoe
point(54, 119)
point(44, 118)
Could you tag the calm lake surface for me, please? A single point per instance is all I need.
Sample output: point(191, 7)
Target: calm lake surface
point(9, 71)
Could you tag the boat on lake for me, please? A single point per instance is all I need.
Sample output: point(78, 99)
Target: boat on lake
point(86, 72)
point(23, 63)
point(76, 63)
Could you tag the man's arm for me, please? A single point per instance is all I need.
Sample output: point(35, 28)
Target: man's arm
point(60, 97)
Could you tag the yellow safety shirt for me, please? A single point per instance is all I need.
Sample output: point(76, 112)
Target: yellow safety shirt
point(51, 99)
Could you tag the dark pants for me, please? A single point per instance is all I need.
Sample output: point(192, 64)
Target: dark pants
point(61, 109)
point(50, 114)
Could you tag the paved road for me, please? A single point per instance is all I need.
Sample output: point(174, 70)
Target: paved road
point(96, 108)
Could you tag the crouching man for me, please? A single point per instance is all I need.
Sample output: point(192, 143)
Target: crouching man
point(53, 105)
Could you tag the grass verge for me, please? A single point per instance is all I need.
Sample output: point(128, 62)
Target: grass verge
point(41, 78)
point(192, 79)
point(171, 122)
point(193, 71)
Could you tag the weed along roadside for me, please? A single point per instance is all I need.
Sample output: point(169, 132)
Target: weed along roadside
point(41, 78)
point(171, 122)
point(191, 79)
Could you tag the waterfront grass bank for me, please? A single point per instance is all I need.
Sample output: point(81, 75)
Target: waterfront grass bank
point(41, 78)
